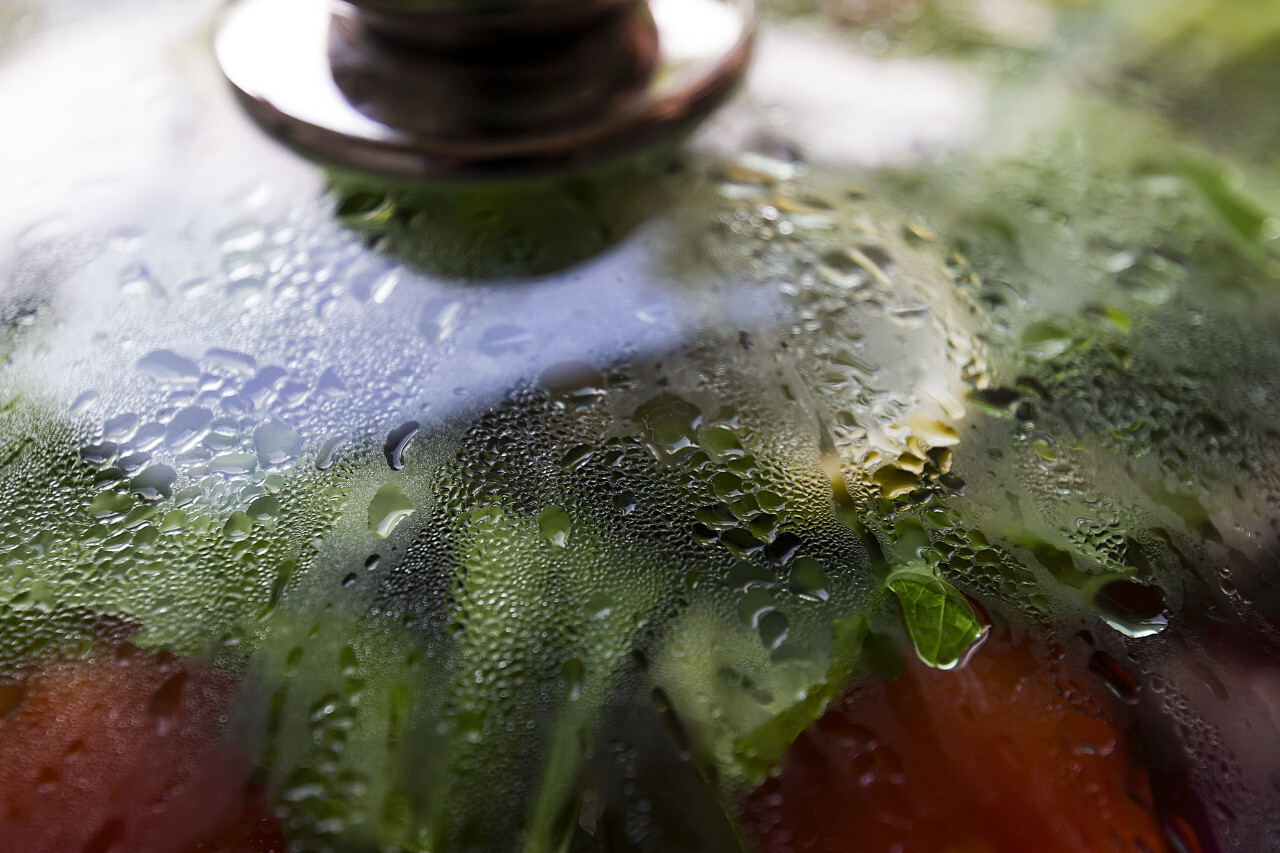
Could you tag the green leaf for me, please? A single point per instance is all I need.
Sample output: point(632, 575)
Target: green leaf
point(942, 625)
point(1233, 27)
point(1240, 217)
point(760, 750)
point(1044, 341)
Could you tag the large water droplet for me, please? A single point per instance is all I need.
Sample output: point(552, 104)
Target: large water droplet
point(233, 464)
point(169, 367)
point(276, 443)
point(396, 442)
point(809, 580)
point(669, 422)
point(554, 525)
point(1133, 609)
point(389, 507)
point(187, 427)
point(154, 483)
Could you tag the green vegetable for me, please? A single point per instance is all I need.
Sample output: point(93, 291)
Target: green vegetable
point(941, 623)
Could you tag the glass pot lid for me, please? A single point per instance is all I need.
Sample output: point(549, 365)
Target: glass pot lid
point(895, 464)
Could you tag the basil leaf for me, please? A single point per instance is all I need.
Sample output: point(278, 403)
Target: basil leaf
point(942, 625)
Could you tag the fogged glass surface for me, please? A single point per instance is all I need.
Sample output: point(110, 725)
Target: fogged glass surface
point(897, 468)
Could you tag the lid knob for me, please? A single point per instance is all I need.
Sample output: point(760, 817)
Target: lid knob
point(481, 89)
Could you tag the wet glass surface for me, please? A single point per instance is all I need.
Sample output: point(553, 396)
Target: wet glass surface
point(897, 468)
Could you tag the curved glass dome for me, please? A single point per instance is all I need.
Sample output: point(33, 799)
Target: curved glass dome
point(896, 467)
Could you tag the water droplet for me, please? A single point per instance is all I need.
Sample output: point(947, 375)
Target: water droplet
point(744, 576)
point(82, 402)
point(276, 443)
point(155, 483)
point(239, 526)
point(503, 338)
point(908, 316)
point(439, 319)
point(264, 507)
point(245, 289)
point(133, 462)
point(1210, 680)
point(233, 464)
point(365, 208)
point(399, 438)
point(109, 504)
point(328, 452)
point(554, 525)
point(1181, 836)
point(120, 427)
point(166, 702)
point(742, 543)
point(278, 587)
point(236, 362)
point(575, 674)
point(470, 724)
point(1120, 681)
point(386, 285)
point(809, 580)
point(894, 481)
point(330, 384)
point(722, 440)
point(48, 780)
point(173, 520)
point(148, 436)
point(599, 605)
point(1133, 609)
point(389, 507)
point(727, 485)
point(168, 367)
point(754, 604)
point(770, 501)
point(137, 281)
point(1085, 735)
point(187, 427)
point(575, 382)
point(773, 629)
point(669, 422)
point(576, 457)
point(1152, 278)
point(99, 454)
point(264, 382)
point(1044, 341)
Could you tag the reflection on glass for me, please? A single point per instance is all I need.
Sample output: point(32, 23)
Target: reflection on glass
point(802, 495)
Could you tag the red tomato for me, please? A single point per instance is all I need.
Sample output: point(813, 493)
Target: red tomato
point(1003, 756)
point(123, 754)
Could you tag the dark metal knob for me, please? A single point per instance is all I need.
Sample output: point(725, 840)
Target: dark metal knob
point(445, 89)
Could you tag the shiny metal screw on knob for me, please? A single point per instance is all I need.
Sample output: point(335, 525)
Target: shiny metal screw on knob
point(481, 89)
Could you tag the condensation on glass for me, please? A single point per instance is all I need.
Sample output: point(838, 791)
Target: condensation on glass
point(902, 456)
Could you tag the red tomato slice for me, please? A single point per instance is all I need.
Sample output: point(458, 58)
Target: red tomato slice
point(123, 754)
point(1003, 756)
